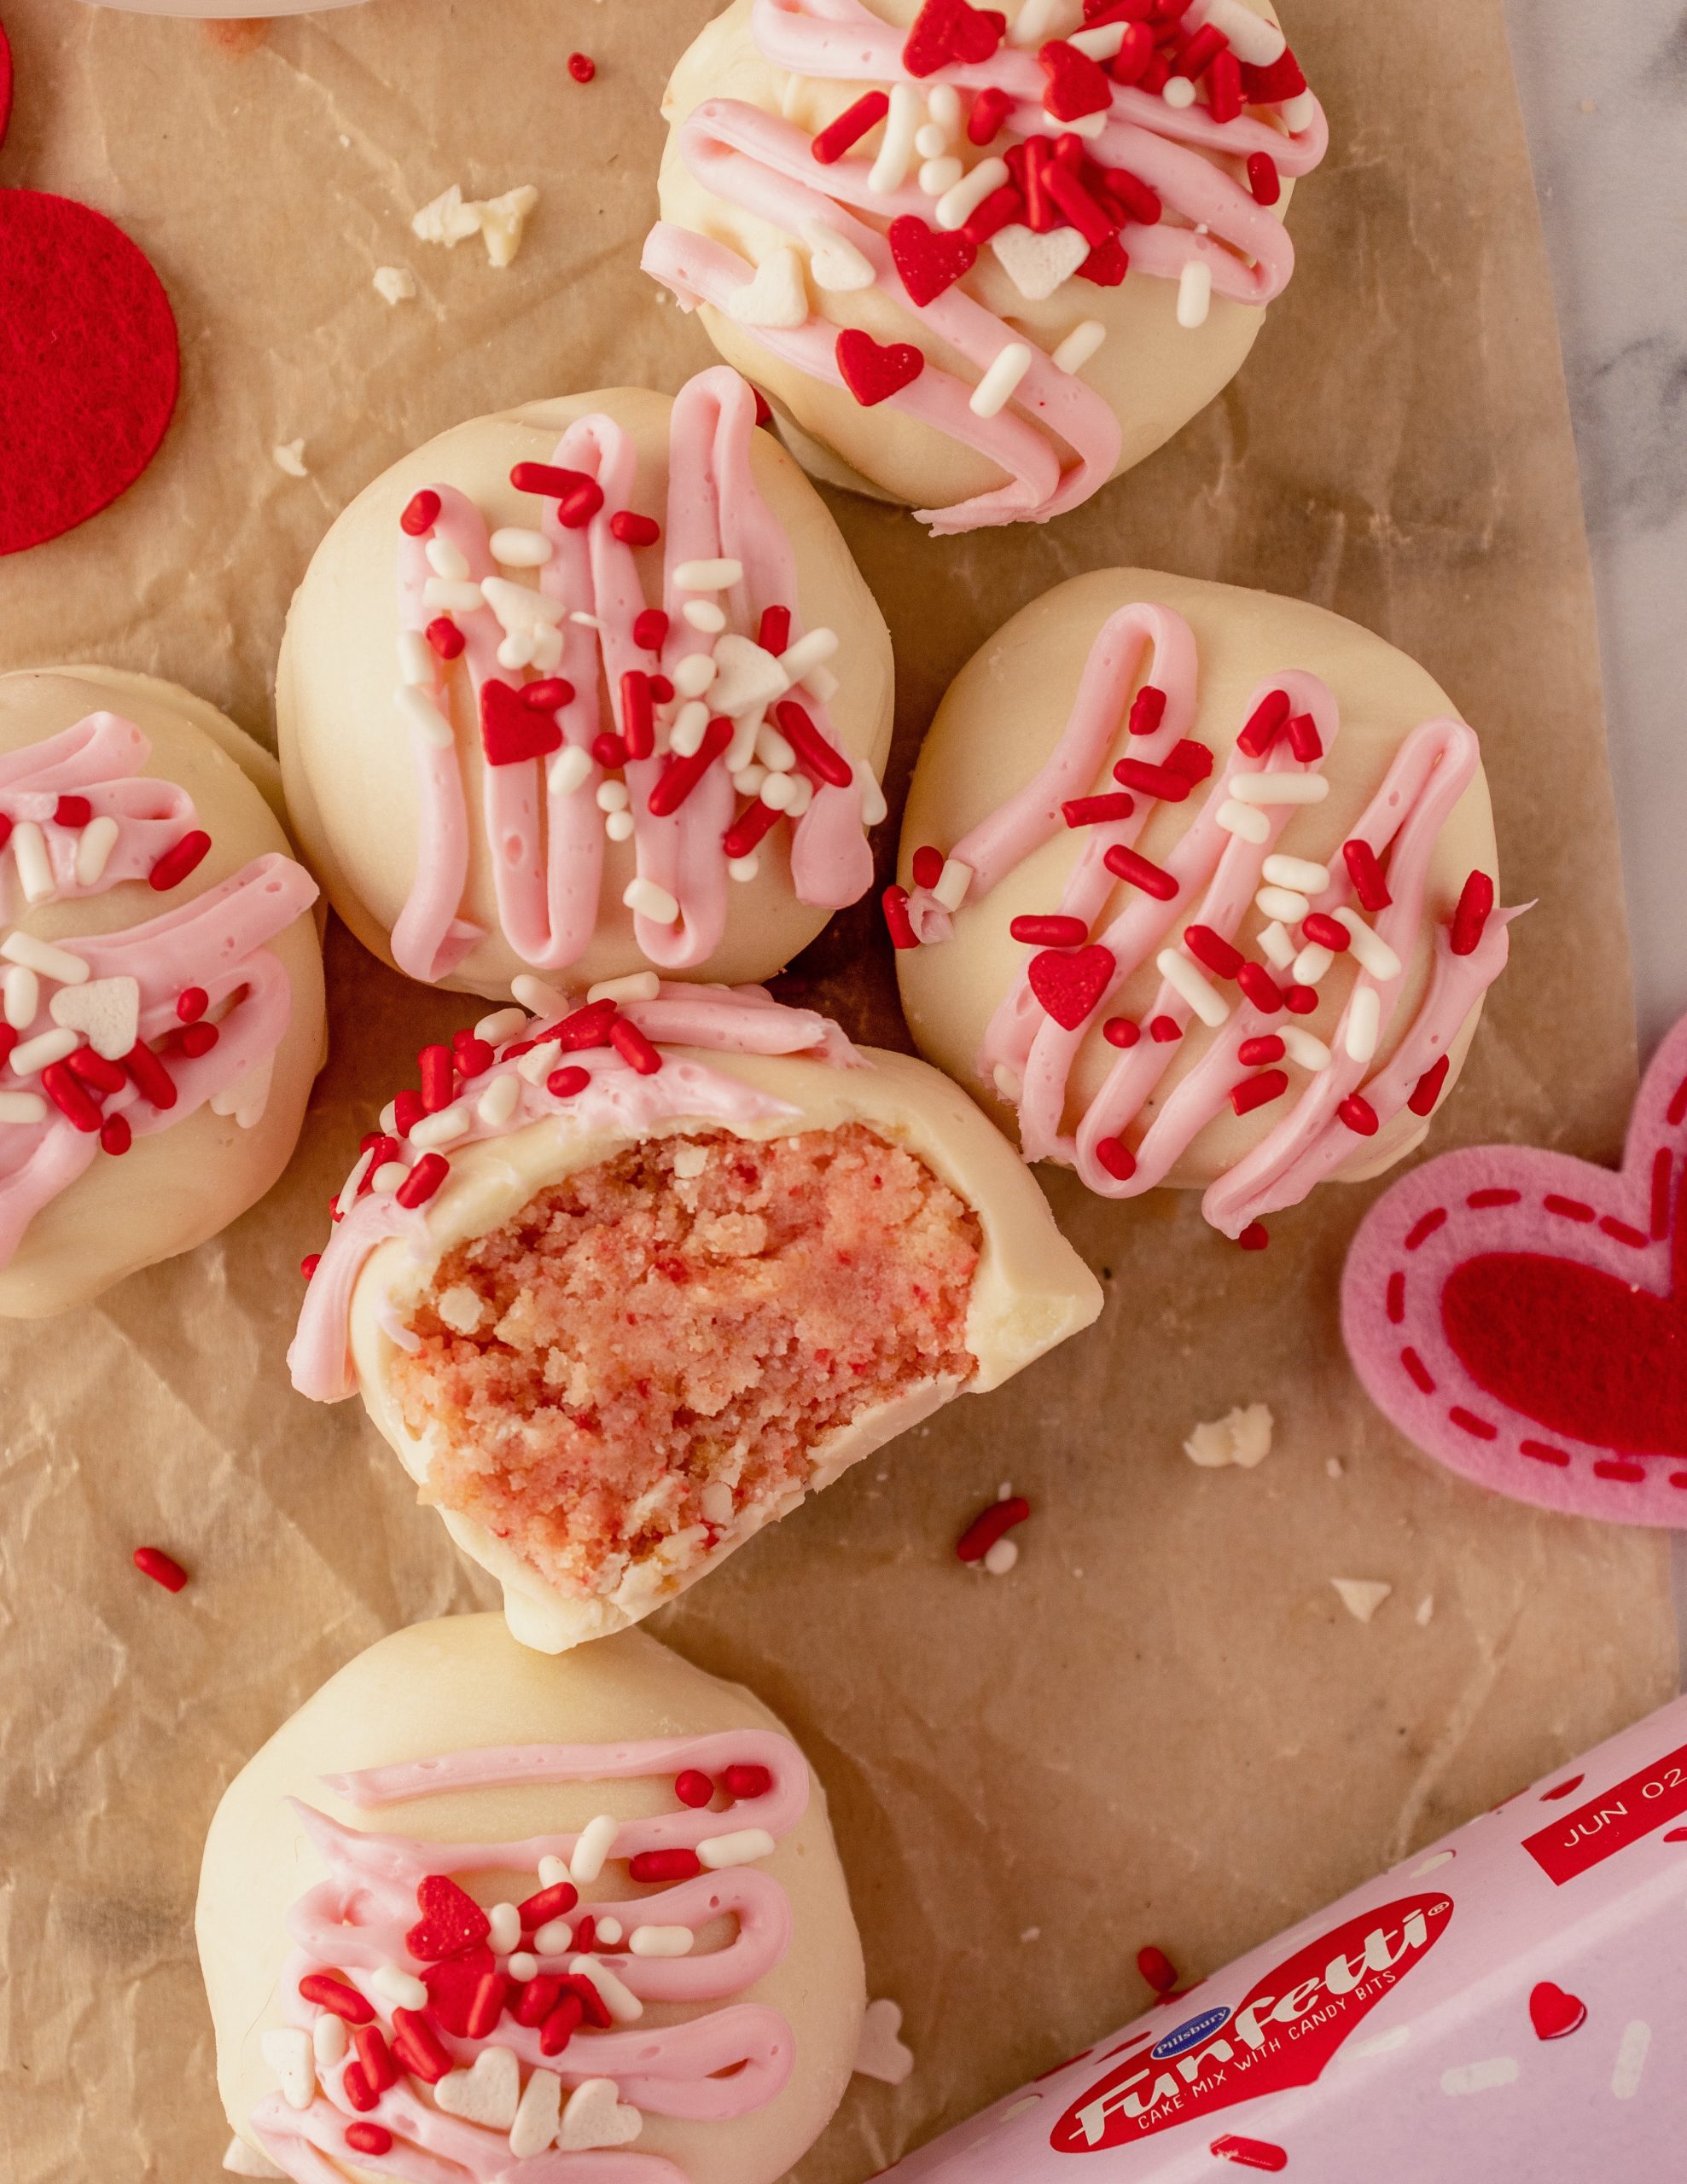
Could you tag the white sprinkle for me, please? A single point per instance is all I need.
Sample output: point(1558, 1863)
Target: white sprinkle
point(443, 1128)
point(94, 844)
point(1298, 113)
point(287, 2050)
point(446, 559)
point(837, 266)
point(743, 869)
point(1184, 977)
point(777, 792)
point(693, 674)
point(388, 1175)
point(448, 598)
point(1297, 872)
point(1425, 1611)
point(1085, 125)
point(396, 1985)
point(43, 956)
point(423, 716)
point(1009, 366)
point(518, 548)
point(1370, 950)
point(40, 1053)
point(636, 985)
point(943, 103)
point(774, 751)
point(956, 207)
point(538, 2116)
point(776, 296)
point(555, 1938)
point(822, 685)
point(389, 1118)
point(1276, 946)
point(1304, 1047)
point(1006, 1082)
point(1243, 820)
point(661, 1941)
point(801, 796)
point(524, 1965)
point(553, 1872)
point(703, 614)
point(35, 867)
point(1039, 264)
point(690, 726)
point(502, 1023)
point(591, 1851)
point(1364, 1024)
point(1000, 1557)
point(586, 621)
point(874, 809)
point(22, 1107)
point(595, 2116)
point(463, 1310)
point(417, 661)
point(505, 1920)
point(22, 992)
point(394, 284)
point(1361, 1596)
point(537, 1064)
point(741, 1848)
point(1253, 41)
point(932, 142)
point(613, 796)
point(952, 883)
point(708, 576)
point(809, 651)
point(1312, 963)
point(569, 769)
point(1282, 904)
point(536, 997)
point(1195, 293)
point(1631, 2049)
point(896, 146)
point(938, 177)
point(1102, 43)
point(1241, 1437)
point(747, 678)
point(622, 2004)
point(1479, 2077)
point(1178, 92)
point(609, 1931)
point(619, 826)
point(330, 2037)
point(1080, 345)
point(105, 1011)
point(1280, 788)
point(1040, 21)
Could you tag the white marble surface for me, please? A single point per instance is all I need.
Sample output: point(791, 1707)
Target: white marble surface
point(1604, 91)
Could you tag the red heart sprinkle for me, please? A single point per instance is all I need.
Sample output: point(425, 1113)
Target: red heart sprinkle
point(873, 371)
point(1553, 2013)
point(950, 29)
point(928, 262)
point(1077, 85)
point(452, 1921)
point(511, 730)
point(452, 1986)
point(1070, 985)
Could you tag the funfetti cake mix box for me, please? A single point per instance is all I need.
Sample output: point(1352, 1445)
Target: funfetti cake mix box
point(1510, 2004)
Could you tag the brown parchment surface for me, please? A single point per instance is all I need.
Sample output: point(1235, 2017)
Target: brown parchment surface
point(1163, 1727)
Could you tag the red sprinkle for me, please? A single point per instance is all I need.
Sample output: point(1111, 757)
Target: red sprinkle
point(1096, 810)
point(894, 903)
point(990, 108)
point(407, 1110)
point(610, 750)
point(763, 408)
point(1260, 988)
point(576, 509)
point(1157, 1968)
point(548, 695)
point(1203, 48)
point(69, 1096)
point(650, 630)
point(1263, 178)
point(1164, 1029)
point(585, 1934)
point(1428, 1089)
point(746, 1781)
point(560, 2023)
point(1469, 919)
point(376, 2056)
point(660, 688)
point(420, 515)
point(337, 1997)
point(990, 1526)
point(357, 2087)
point(72, 811)
point(547, 1903)
point(197, 1039)
point(307, 1265)
point(115, 1135)
point(1366, 875)
point(1171, 784)
point(423, 1180)
point(633, 1048)
point(1264, 724)
point(445, 636)
point(487, 2007)
point(369, 2138)
point(1148, 709)
point(1254, 1054)
point(1121, 1032)
point(1052, 931)
point(664, 1865)
point(1132, 61)
point(1137, 199)
point(105, 1077)
point(586, 1027)
point(595, 2011)
point(474, 1057)
point(755, 821)
point(634, 530)
point(774, 634)
point(547, 480)
point(1117, 1158)
point(581, 67)
point(191, 1004)
point(179, 859)
point(638, 720)
point(1224, 87)
point(438, 1077)
point(566, 1083)
point(538, 1999)
point(927, 866)
point(1128, 864)
point(1301, 1000)
point(850, 127)
point(163, 1569)
point(999, 210)
point(814, 753)
point(1359, 1115)
point(1254, 1237)
point(418, 2046)
point(1304, 739)
point(1327, 932)
point(681, 776)
point(1258, 1091)
point(1212, 949)
point(694, 1788)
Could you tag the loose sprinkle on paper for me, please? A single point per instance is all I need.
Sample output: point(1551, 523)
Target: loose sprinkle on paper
point(883, 2054)
point(1361, 1596)
point(290, 457)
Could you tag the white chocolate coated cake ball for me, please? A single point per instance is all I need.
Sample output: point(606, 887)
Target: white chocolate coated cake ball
point(476, 1907)
point(585, 688)
point(1200, 892)
point(982, 276)
point(160, 980)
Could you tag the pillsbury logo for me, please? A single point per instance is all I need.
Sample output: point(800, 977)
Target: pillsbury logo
point(1190, 2033)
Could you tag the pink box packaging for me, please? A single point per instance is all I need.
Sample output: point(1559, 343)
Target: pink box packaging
point(1510, 2004)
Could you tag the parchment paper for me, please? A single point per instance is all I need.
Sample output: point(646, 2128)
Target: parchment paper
point(1163, 1726)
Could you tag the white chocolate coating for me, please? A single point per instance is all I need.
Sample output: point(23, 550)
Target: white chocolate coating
point(345, 752)
point(1152, 373)
point(175, 1188)
point(462, 1684)
point(1030, 1290)
point(1001, 717)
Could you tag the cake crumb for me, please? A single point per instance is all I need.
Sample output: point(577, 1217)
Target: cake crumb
point(882, 2053)
point(290, 457)
point(1426, 1609)
point(452, 218)
point(394, 284)
point(1361, 1596)
point(1241, 1437)
point(460, 1308)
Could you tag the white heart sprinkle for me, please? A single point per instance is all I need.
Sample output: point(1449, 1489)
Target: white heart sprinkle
point(835, 263)
point(1039, 264)
point(488, 2093)
point(776, 296)
point(108, 1009)
point(881, 2054)
point(597, 2116)
point(747, 679)
point(536, 2119)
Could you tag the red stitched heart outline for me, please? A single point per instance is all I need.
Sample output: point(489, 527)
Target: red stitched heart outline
point(1522, 1315)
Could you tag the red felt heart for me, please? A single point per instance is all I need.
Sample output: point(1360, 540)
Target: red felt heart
point(89, 365)
point(1077, 85)
point(1522, 1315)
point(452, 1921)
point(873, 371)
point(950, 29)
point(452, 1986)
point(1553, 2013)
point(927, 261)
point(1070, 982)
point(511, 729)
point(5, 83)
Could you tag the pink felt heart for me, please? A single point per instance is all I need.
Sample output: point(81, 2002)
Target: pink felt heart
point(1553, 2013)
point(452, 1921)
point(1069, 982)
point(511, 729)
point(928, 262)
point(1077, 85)
point(872, 370)
point(1522, 1315)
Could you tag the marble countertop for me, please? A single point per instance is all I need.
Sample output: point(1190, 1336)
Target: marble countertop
point(1605, 93)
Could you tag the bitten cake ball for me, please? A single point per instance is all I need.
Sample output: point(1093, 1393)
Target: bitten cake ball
point(623, 1282)
point(160, 980)
point(983, 260)
point(1197, 887)
point(586, 686)
point(475, 1915)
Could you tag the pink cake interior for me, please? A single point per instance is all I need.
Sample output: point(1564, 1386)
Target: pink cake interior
point(651, 1350)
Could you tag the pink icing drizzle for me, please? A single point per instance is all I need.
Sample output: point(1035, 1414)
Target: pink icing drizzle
point(1217, 875)
point(548, 845)
point(738, 1019)
point(708, 2068)
point(216, 941)
point(765, 165)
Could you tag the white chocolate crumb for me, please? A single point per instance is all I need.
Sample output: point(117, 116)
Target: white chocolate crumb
point(289, 456)
point(1425, 1609)
point(394, 284)
point(1241, 1437)
point(1361, 1596)
point(463, 1310)
point(450, 220)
